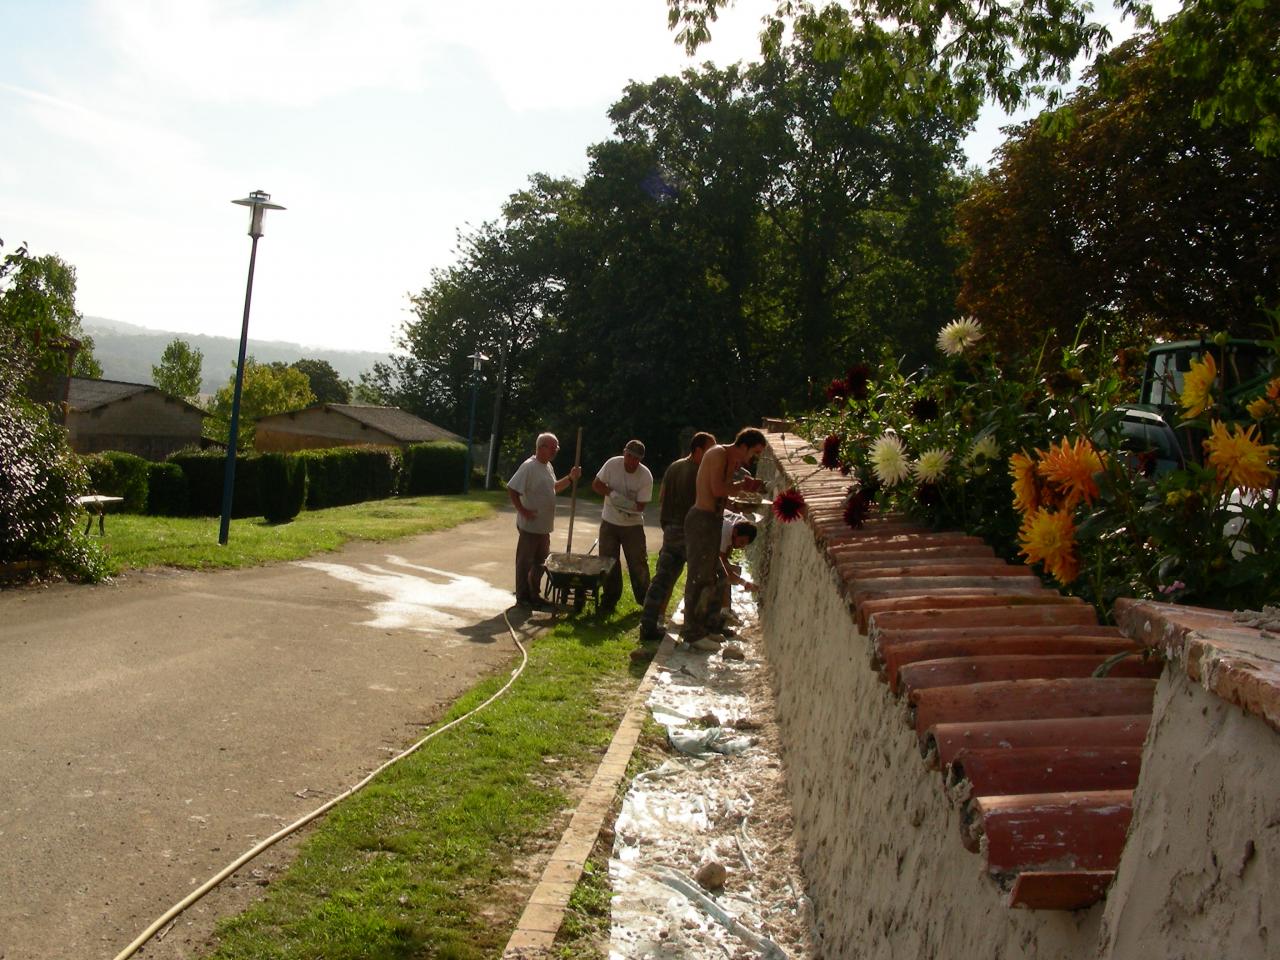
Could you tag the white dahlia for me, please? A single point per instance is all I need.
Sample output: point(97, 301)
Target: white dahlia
point(931, 465)
point(958, 336)
point(889, 460)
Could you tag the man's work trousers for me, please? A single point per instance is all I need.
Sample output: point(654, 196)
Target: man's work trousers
point(531, 559)
point(701, 590)
point(630, 540)
point(665, 575)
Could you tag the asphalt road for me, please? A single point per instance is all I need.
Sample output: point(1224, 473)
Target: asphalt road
point(156, 727)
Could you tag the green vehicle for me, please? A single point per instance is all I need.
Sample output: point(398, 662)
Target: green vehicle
point(1150, 426)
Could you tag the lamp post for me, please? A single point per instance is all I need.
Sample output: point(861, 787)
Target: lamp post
point(476, 359)
point(258, 201)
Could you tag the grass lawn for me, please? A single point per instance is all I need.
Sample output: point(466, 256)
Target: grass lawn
point(134, 541)
point(437, 856)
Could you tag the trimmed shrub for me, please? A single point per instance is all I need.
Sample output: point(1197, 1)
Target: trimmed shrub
point(204, 472)
point(342, 475)
point(167, 490)
point(118, 474)
point(282, 486)
point(434, 467)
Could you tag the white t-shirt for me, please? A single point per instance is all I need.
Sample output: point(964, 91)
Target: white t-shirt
point(726, 530)
point(536, 484)
point(629, 489)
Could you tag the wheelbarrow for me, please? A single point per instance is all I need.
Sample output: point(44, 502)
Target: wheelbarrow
point(575, 578)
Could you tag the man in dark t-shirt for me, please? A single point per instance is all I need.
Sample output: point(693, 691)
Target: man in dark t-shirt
point(679, 490)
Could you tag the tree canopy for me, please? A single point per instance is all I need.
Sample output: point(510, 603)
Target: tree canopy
point(326, 384)
point(732, 247)
point(1137, 214)
point(38, 303)
point(178, 373)
point(268, 388)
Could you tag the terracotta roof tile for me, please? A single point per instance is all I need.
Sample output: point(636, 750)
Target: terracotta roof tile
point(1080, 830)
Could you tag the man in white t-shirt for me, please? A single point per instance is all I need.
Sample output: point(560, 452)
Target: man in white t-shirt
point(532, 489)
point(627, 486)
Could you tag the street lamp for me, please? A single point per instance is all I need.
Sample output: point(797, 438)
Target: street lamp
point(476, 359)
point(257, 201)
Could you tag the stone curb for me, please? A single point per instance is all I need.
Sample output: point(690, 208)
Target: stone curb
point(535, 934)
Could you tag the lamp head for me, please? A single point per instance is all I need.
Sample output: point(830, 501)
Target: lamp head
point(258, 201)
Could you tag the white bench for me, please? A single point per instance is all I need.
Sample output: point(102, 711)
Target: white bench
point(97, 503)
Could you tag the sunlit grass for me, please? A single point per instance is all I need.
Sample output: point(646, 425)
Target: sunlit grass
point(133, 541)
point(427, 861)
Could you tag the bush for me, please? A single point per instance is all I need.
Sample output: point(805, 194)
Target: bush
point(118, 474)
point(343, 475)
point(282, 486)
point(435, 467)
point(167, 490)
point(204, 470)
point(40, 479)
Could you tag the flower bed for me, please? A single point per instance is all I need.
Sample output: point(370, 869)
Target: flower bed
point(1034, 460)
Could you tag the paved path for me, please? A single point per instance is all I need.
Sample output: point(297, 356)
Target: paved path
point(157, 727)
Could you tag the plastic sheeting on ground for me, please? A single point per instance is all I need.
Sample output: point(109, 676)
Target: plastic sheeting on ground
point(698, 807)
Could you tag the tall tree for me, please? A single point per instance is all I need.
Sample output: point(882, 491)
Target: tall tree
point(178, 373)
point(326, 384)
point(38, 301)
point(268, 388)
point(1138, 214)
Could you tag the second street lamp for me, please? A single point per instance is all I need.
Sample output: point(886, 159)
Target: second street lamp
point(477, 359)
point(259, 201)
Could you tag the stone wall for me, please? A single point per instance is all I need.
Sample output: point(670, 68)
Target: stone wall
point(881, 842)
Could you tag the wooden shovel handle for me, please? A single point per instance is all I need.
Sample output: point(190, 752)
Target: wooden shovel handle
point(573, 494)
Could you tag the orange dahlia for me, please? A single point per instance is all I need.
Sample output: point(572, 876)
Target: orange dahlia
point(1197, 386)
point(1026, 491)
point(1049, 537)
point(1072, 468)
point(1240, 457)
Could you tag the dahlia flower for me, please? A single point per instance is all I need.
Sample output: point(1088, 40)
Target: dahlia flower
point(931, 465)
point(1240, 457)
point(1197, 386)
point(958, 336)
point(1049, 537)
point(889, 460)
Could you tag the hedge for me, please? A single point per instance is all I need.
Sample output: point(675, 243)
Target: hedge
point(282, 486)
point(343, 475)
point(435, 467)
point(204, 470)
point(118, 474)
point(167, 490)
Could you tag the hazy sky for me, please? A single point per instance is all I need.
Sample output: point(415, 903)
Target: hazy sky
point(383, 126)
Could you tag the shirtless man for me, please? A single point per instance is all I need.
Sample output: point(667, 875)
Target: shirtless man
point(702, 528)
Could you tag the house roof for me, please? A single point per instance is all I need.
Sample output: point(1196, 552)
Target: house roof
point(995, 672)
point(85, 393)
point(394, 422)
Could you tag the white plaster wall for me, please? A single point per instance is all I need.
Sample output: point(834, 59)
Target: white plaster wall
point(880, 844)
point(1200, 874)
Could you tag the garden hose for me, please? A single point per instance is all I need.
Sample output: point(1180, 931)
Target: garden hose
point(279, 835)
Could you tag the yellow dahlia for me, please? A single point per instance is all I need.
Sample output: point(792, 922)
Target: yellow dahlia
point(1240, 457)
point(1260, 408)
point(1026, 491)
point(1049, 537)
point(1197, 386)
point(1072, 468)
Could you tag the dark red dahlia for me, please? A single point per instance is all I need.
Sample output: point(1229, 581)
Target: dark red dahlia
point(925, 409)
point(837, 390)
point(856, 509)
point(857, 378)
point(928, 495)
point(788, 505)
point(831, 452)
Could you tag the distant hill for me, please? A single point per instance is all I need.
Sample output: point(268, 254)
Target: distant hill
point(128, 352)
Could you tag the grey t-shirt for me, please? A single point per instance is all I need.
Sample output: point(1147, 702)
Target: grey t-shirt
point(536, 484)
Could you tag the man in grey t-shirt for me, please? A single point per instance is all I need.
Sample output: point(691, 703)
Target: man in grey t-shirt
point(532, 489)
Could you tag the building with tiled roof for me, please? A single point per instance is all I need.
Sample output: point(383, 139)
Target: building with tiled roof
point(135, 418)
point(345, 424)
